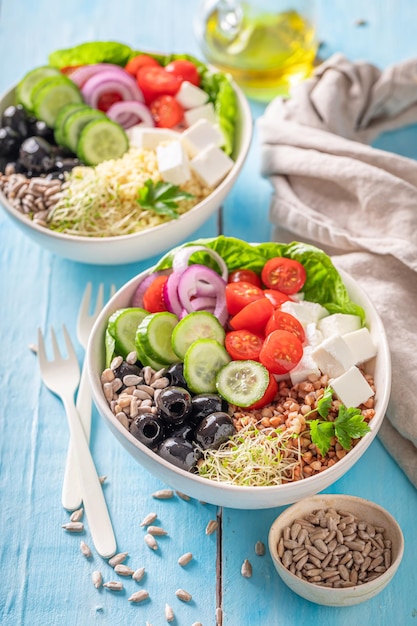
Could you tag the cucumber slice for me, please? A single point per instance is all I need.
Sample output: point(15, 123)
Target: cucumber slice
point(145, 359)
point(101, 140)
point(109, 345)
point(61, 118)
point(122, 326)
point(154, 336)
point(196, 325)
point(242, 382)
point(75, 122)
point(51, 94)
point(203, 360)
point(28, 84)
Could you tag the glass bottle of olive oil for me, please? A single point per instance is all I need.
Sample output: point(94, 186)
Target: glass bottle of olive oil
point(266, 45)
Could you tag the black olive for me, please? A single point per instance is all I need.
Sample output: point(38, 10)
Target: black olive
point(175, 373)
point(184, 430)
point(15, 117)
point(38, 128)
point(9, 142)
point(174, 404)
point(36, 154)
point(125, 369)
point(214, 430)
point(66, 164)
point(148, 429)
point(204, 404)
point(179, 452)
point(16, 167)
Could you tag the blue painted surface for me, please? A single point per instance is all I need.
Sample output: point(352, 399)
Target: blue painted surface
point(45, 579)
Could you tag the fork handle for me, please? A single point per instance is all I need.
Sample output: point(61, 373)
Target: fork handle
point(71, 489)
point(92, 493)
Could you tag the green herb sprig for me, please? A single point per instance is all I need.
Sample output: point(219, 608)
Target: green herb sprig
point(162, 198)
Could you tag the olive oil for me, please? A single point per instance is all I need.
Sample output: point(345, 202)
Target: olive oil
point(266, 53)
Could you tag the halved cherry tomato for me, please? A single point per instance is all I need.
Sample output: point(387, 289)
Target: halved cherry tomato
point(139, 61)
point(69, 69)
point(280, 320)
point(276, 297)
point(281, 352)
point(286, 275)
point(156, 81)
point(239, 294)
point(253, 316)
point(186, 70)
point(166, 111)
point(107, 99)
point(269, 395)
point(153, 298)
point(246, 276)
point(243, 345)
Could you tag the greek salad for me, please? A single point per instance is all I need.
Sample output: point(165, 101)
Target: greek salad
point(242, 363)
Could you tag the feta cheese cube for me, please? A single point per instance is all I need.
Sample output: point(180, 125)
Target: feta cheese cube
point(173, 163)
point(211, 165)
point(147, 138)
point(201, 135)
point(333, 356)
point(313, 335)
point(305, 311)
point(189, 96)
point(206, 111)
point(304, 368)
point(361, 345)
point(339, 324)
point(352, 388)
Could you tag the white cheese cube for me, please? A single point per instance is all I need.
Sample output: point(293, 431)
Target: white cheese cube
point(339, 324)
point(211, 165)
point(189, 96)
point(146, 138)
point(305, 311)
point(206, 112)
point(352, 388)
point(304, 368)
point(333, 356)
point(313, 335)
point(201, 135)
point(361, 345)
point(173, 163)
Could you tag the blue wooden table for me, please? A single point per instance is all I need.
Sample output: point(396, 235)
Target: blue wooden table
point(45, 578)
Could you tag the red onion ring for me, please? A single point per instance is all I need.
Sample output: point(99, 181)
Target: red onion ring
point(83, 73)
point(103, 82)
point(171, 294)
point(130, 112)
point(181, 258)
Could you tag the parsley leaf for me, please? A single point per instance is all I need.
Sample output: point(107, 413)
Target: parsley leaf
point(321, 434)
point(162, 198)
point(349, 425)
point(325, 402)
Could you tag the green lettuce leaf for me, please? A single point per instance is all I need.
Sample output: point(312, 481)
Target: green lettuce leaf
point(91, 52)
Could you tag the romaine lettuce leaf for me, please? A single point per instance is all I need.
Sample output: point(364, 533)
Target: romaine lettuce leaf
point(91, 52)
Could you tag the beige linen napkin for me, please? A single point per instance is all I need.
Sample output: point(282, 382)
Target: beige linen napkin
point(357, 203)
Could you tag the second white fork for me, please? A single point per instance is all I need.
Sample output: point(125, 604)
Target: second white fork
point(71, 490)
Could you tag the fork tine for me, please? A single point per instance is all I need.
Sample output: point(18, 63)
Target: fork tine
point(70, 348)
point(99, 301)
point(55, 347)
point(41, 348)
point(85, 303)
point(112, 290)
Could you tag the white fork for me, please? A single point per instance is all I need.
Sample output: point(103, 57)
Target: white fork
point(71, 489)
point(62, 376)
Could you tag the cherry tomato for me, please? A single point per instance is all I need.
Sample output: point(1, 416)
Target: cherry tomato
point(269, 395)
point(139, 61)
point(153, 298)
point(69, 69)
point(156, 81)
point(166, 111)
point(246, 276)
point(286, 275)
point(281, 352)
point(253, 316)
point(280, 320)
point(186, 70)
point(276, 297)
point(107, 99)
point(243, 345)
point(239, 294)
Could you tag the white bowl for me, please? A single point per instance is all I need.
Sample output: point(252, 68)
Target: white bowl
point(147, 243)
point(365, 511)
point(230, 495)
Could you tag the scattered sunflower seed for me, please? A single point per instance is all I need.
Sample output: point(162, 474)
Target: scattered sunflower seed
point(211, 527)
point(33, 347)
point(139, 596)
point(169, 613)
point(97, 579)
point(123, 570)
point(156, 530)
point(183, 496)
point(259, 548)
point(197, 624)
point(148, 519)
point(76, 516)
point(85, 549)
point(148, 624)
point(185, 559)
point(73, 527)
point(151, 542)
point(138, 574)
point(102, 479)
point(113, 585)
point(183, 595)
point(117, 558)
point(246, 569)
point(163, 494)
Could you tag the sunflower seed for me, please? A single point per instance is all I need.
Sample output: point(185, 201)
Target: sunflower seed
point(102, 479)
point(97, 579)
point(259, 548)
point(185, 559)
point(123, 570)
point(76, 516)
point(197, 624)
point(139, 596)
point(183, 595)
point(183, 496)
point(163, 494)
point(151, 542)
point(74, 527)
point(148, 519)
point(85, 550)
point(156, 530)
point(138, 574)
point(160, 383)
point(246, 569)
point(33, 347)
point(211, 527)
point(117, 558)
point(169, 613)
point(113, 585)
point(147, 374)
